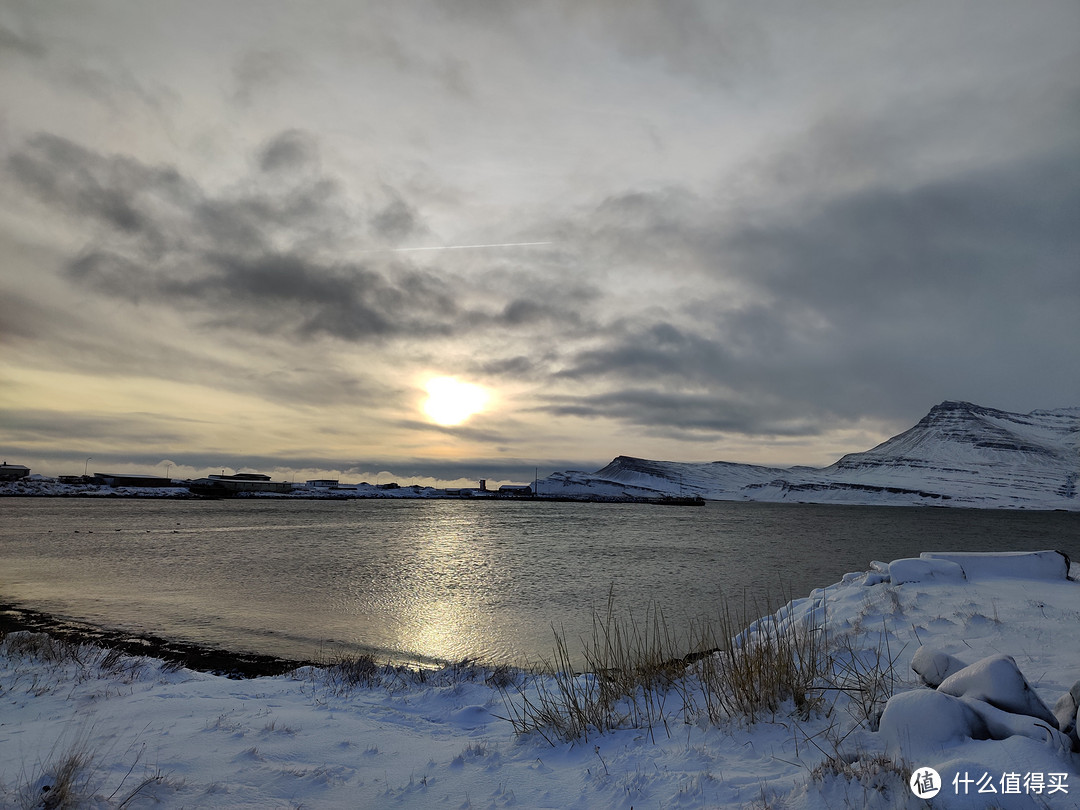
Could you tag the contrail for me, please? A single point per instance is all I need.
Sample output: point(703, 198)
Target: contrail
point(469, 247)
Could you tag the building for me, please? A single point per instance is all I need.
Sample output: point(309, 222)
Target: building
point(125, 480)
point(516, 491)
point(223, 486)
point(13, 472)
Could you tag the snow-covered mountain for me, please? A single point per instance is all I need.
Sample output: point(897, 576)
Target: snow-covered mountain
point(959, 454)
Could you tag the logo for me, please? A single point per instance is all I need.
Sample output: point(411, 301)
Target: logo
point(925, 783)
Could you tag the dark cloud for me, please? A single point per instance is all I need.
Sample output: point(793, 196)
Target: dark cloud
point(21, 318)
point(289, 293)
point(961, 236)
point(520, 367)
point(474, 432)
point(43, 426)
point(76, 181)
point(396, 220)
point(266, 260)
point(876, 299)
point(660, 350)
point(291, 150)
point(20, 45)
point(686, 416)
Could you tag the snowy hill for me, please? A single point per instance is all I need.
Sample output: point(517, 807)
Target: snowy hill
point(959, 454)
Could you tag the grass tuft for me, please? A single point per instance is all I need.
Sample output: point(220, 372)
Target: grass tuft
point(638, 672)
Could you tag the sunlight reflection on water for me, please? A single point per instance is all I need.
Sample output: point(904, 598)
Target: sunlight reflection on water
point(421, 580)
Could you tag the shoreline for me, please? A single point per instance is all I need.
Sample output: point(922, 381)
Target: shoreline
point(925, 628)
point(188, 654)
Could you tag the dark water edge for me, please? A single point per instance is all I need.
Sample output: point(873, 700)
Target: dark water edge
point(201, 658)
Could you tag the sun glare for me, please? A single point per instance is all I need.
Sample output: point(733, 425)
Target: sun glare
point(451, 401)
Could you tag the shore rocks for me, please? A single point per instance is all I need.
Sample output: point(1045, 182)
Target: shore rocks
point(1067, 713)
point(934, 666)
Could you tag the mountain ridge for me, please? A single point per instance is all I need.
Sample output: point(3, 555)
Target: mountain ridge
point(959, 454)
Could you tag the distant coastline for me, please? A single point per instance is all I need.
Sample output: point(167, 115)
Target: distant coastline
point(49, 488)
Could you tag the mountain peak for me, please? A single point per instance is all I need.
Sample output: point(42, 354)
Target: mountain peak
point(960, 453)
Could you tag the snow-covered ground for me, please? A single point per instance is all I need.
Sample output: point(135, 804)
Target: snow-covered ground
point(146, 734)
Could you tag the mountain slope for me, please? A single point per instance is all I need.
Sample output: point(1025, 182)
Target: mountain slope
point(959, 454)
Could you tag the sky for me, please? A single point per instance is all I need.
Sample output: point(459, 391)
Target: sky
point(249, 236)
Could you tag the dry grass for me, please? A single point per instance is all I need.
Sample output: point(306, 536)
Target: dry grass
point(636, 669)
point(342, 673)
point(76, 660)
point(753, 672)
point(71, 778)
point(631, 669)
point(640, 674)
point(64, 783)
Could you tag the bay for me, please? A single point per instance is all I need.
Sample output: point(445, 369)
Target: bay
point(440, 580)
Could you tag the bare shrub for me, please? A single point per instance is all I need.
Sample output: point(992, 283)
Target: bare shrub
point(343, 672)
point(634, 668)
point(752, 672)
point(727, 669)
point(47, 649)
point(630, 667)
point(65, 783)
point(866, 675)
point(350, 671)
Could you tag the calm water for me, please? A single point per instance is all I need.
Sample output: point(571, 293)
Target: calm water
point(444, 580)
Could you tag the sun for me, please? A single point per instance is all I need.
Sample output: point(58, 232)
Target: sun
point(451, 401)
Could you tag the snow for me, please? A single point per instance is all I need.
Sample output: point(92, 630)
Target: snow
point(959, 454)
point(934, 666)
point(1003, 647)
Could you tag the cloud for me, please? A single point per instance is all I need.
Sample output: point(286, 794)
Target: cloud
point(289, 151)
point(711, 42)
point(873, 299)
point(687, 416)
point(20, 45)
point(46, 426)
point(396, 220)
point(269, 259)
point(262, 70)
point(241, 258)
point(763, 222)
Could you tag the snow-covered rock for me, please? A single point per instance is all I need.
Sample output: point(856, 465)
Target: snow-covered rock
point(998, 681)
point(1020, 564)
point(1067, 713)
point(921, 720)
point(934, 666)
point(922, 570)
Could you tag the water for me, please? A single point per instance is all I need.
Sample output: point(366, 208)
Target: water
point(444, 580)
